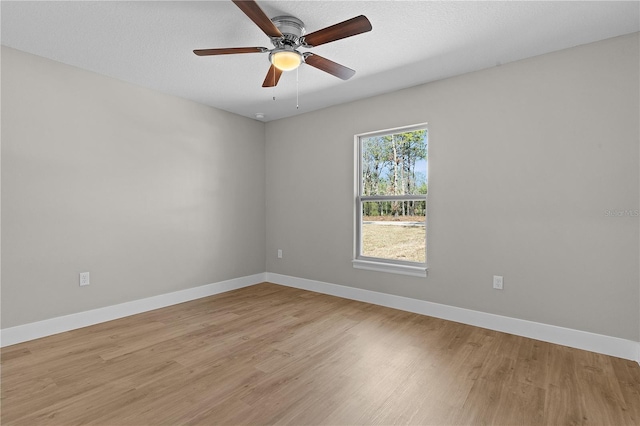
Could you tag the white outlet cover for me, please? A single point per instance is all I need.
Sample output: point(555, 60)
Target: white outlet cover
point(84, 279)
point(497, 282)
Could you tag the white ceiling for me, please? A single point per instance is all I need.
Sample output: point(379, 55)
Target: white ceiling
point(150, 43)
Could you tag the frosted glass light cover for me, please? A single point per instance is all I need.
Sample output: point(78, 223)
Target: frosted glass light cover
point(286, 60)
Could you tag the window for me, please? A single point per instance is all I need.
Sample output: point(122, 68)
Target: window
point(391, 200)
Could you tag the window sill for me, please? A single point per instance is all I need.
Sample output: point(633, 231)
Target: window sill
point(391, 268)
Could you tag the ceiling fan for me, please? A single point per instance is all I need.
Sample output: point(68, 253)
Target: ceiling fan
point(287, 34)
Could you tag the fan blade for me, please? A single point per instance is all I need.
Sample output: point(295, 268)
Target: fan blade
point(253, 11)
point(272, 78)
point(229, 51)
point(354, 26)
point(331, 67)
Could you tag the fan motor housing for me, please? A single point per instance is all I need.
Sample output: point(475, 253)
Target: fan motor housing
point(291, 28)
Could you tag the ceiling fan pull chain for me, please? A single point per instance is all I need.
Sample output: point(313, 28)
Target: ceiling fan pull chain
point(297, 88)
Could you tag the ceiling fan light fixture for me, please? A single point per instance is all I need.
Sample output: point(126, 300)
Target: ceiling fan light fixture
point(285, 60)
point(287, 33)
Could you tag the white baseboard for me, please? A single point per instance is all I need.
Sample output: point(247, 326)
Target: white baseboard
point(599, 343)
point(35, 330)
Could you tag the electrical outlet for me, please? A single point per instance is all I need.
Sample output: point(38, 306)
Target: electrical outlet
point(84, 279)
point(497, 282)
point(279, 254)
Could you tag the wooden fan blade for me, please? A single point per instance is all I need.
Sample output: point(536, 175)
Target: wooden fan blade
point(331, 67)
point(354, 26)
point(253, 11)
point(272, 78)
point(229, 51)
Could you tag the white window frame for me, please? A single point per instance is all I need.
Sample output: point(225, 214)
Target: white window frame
point(374, 263)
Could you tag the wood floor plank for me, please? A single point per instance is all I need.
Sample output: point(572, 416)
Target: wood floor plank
point(269, 354)
point(628, 377)
point(600, 389)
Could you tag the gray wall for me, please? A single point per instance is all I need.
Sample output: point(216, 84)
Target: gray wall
point(524, 160)
point(147, 192)
point(153, 194)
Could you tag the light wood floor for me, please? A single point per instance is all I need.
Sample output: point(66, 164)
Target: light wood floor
point(269, 354)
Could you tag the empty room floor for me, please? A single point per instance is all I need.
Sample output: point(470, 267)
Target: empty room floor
point(269, 354)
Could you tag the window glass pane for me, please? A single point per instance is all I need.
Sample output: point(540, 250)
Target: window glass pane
point(395, 164)
point(394, 230)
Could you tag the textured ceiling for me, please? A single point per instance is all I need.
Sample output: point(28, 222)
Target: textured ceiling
point(150, 43)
